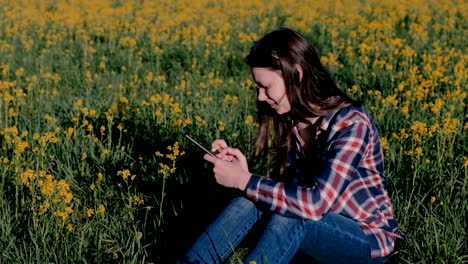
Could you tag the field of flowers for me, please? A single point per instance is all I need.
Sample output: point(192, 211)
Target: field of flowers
point(93, 95)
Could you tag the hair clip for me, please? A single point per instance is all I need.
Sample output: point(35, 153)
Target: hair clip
point(274, 55)
point(254, 48)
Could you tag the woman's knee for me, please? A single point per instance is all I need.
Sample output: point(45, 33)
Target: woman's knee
point(279, 223)
point(242, 207)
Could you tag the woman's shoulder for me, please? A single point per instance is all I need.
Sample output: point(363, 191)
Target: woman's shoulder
point(346, 116)
point(350, 113)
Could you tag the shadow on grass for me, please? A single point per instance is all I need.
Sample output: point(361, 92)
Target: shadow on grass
point(192, 198)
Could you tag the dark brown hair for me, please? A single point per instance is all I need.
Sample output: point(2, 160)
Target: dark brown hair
point(315, 95)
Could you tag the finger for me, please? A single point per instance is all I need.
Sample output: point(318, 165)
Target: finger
point(225, 157)
point(210, 158)
point(234, 152)
point(218, 145)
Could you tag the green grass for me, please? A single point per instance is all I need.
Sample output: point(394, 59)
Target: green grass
point(87, 99)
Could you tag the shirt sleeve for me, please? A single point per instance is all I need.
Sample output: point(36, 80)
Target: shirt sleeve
point(347, 144)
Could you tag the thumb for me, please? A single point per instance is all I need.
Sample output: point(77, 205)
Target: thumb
point(210, 158)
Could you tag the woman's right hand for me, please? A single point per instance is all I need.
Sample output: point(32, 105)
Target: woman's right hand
point(217, 148)
point(230, 167)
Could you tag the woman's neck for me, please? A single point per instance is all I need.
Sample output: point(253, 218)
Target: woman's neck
point(310, 121)
point(307, 131)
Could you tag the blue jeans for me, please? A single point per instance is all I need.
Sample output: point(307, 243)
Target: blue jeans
point(332, 239)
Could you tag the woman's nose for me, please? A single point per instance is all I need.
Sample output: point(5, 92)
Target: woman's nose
point(261, 95)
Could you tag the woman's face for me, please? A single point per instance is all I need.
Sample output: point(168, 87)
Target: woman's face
point(271, 89)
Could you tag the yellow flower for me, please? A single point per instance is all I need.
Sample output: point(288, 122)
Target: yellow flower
point(27, 176)
point(221, 126)
point(418, 151)
point(123, 100)
point(138, 200)
point(450, 125)
point(199, 121)
point(65, 213)
point(70, 227)
point(128, 42)
point(19, 72)
point(156, 98)
point(99, 177)
point(187, 121)
point(125, 174)
point(70, 132)
point(101, 209)
point(433, 199)
point(90, 212)
point(384, 142)
point(44, 207)
point(149, 77)
point(78, 104)
point(249, 120)
point(138, 236)
point(20, 147)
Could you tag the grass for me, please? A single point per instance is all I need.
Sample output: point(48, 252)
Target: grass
point(93, 95)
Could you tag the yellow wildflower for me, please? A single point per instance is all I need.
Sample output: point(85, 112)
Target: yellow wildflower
point(101, 209)
point(125, 174)
point(221, 126)
point(90, 212)
point(249, 120)
point(138, 236)
point(138, 200)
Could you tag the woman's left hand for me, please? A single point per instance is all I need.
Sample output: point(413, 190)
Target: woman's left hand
point(232, 174)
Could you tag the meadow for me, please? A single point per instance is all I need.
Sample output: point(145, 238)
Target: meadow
point(93, 95)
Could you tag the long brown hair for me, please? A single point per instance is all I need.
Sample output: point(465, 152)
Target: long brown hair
point(314, 95)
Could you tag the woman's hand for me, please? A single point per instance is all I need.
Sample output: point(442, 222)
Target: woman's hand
point(217, 148)
point(230, 168)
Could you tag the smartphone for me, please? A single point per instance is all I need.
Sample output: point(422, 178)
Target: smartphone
point(183, 133)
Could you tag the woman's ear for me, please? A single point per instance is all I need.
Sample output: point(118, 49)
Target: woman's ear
point(299, 70)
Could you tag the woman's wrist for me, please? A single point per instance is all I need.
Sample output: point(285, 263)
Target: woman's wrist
point(244, 180)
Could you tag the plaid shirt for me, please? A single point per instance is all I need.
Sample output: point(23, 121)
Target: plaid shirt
point(343, 173)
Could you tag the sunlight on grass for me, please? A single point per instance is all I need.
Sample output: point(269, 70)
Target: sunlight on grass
point(93, 94)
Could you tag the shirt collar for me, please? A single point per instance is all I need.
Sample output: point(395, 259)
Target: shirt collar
point(326, 120)
point(323, 124)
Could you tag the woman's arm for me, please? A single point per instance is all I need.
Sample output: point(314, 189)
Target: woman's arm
point(349, 140)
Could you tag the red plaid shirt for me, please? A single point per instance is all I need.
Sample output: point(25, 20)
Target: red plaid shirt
point(343, 173)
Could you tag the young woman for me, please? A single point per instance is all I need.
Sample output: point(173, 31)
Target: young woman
point(326, 197)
